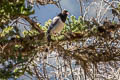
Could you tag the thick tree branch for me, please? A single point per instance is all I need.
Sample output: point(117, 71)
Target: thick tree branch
point(34, 24)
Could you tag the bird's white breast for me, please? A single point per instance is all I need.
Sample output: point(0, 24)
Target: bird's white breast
point(58, 27)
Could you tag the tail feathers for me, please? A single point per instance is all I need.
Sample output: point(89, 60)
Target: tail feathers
point(49, 37)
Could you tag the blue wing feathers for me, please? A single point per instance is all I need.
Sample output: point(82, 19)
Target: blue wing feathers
point(54, 22)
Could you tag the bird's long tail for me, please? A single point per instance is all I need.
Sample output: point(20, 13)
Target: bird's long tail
point(48, 37)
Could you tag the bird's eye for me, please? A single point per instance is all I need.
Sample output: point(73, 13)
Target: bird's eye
point(65, 12)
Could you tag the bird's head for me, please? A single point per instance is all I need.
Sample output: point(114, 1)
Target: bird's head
point(65, 12)
point(63, 15)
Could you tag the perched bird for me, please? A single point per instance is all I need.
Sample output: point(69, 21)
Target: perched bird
point(57, 24)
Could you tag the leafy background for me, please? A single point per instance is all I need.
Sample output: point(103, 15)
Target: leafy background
point(87, 48)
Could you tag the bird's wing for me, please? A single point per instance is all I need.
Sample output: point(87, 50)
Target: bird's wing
point(55, 20)
point(53, 24)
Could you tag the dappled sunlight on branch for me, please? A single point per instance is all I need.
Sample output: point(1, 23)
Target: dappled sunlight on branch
point(85, 49)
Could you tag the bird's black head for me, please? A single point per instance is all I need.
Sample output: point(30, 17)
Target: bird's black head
point(65, 12)
point(63, 15)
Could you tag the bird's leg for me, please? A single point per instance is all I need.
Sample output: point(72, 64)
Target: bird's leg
point(55, 36)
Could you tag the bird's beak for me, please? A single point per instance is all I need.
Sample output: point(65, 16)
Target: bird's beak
point(67, 13)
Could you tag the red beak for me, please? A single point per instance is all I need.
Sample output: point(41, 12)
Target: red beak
point(67, 13)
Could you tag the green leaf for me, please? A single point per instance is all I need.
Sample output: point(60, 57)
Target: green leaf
point(22, 9)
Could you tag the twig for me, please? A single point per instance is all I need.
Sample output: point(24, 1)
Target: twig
point(59, 5)
point(34, 24)
point(81, 8)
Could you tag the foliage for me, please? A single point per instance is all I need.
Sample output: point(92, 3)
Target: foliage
point(89, 43)
point(13, 9)
point(11, 51)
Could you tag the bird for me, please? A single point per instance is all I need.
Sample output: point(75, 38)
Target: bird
point(57, 24)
